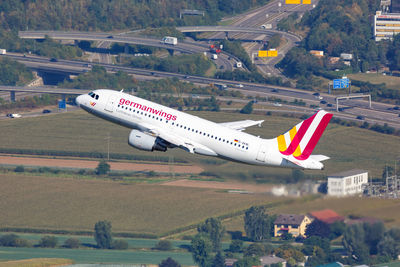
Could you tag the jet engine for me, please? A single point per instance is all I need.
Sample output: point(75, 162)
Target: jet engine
point(146, 142)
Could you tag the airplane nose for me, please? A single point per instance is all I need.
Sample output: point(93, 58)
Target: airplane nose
point(78, 100)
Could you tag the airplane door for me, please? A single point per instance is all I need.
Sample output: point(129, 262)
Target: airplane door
point(111, 103)
point(262, 153)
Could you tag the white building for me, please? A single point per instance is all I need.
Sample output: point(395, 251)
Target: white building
point(386, 25)
point(347, 183)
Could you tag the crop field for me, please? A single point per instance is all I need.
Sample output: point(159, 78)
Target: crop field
point(95, 255)
point(75, 204)
point(348, 147)
point(36, 262)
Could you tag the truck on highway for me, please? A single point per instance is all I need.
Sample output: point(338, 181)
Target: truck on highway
point(170, 40)
point(3, 51)
point(214, 56)
point(266, 26)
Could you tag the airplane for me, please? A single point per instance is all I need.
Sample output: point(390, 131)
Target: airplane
point(158, 128)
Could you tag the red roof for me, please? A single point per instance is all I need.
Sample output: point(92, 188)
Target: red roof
point(327, 216)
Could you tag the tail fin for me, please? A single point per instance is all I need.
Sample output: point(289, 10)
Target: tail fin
point(301, 140)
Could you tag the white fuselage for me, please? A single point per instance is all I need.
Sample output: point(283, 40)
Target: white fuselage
point(137, 113)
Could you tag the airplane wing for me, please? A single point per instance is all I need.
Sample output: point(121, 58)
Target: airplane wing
point(241, 125)
point(182, 142)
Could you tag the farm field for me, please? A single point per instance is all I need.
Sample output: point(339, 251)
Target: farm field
point(348, 147)
point(95, 255)
point(77, 204)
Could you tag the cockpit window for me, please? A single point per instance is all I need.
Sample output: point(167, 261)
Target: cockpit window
point(93, 95)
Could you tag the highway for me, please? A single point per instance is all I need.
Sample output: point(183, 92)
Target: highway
point(380, 112)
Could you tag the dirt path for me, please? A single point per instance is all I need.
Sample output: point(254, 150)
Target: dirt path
point(88, 164)
point(237, 186)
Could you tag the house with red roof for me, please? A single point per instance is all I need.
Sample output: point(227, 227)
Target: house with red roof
point(327, 216)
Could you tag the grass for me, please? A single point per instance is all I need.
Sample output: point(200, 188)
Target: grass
point(391, 82)
point(348, 147)
point(95, 255)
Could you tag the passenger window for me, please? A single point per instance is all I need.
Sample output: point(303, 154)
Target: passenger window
point(97, 97)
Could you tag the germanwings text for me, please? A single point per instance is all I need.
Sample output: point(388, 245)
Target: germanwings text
point(157, 112)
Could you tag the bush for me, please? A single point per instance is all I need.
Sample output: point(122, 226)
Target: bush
point(72, 243)
point(19, 168)
point(48, 242)
point(120, 244)
point(163, 245)
point(12, 240)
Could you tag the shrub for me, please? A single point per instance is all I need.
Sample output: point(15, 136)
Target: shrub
point(48, 242)
point(163, 245)
point(19, 168)
point(72, 243)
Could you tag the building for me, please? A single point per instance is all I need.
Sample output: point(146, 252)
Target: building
point(317, 53)
point(347, 183)
point(268, 260)
point(386, 25)
point(395, 6)
point(327, 216)
point(291, 223)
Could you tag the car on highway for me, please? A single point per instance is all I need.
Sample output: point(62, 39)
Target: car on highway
point(53, 59)
point(359, 117)
point(323, 102)
point(46, 111)
point(396, 108)
point(329, 105)
point(239, 85)
point(275, 90)
point(315, 94)
point(277, 104)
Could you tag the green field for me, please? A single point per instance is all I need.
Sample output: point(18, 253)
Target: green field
point(95, 255)
point(348, 147)
point(391, 82)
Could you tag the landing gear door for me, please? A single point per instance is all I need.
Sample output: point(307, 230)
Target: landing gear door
point(262, 153)
point(111, 103)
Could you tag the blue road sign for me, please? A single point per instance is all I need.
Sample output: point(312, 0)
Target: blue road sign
point(62, 104)
point(341, 83)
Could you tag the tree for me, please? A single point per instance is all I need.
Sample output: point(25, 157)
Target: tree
point(248, 108)
point(48, 242)
point(169, 263)
point(219, 260)
point(120, 244)
point(374, 234)
point(102, 234)
point(254, 250)
point(236, 246)
point(257, 224)
point(213, 228)
point(72, 243)
point(102, 168)
point(247, 262)
point(318, 228)
point(163, 245)
point(316, 241)
point(201, 250)
point(354, 242)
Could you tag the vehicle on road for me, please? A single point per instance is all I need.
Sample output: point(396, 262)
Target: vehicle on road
point(53, 59)
point(14, 115)
point(323, 102)
point(360, 117)
point(277, 104)
point(46, 111)
point(214, 56)
point(157, 127)
point(239, 85)
point(170, 40)
point(3, 51)
point(266, 26)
